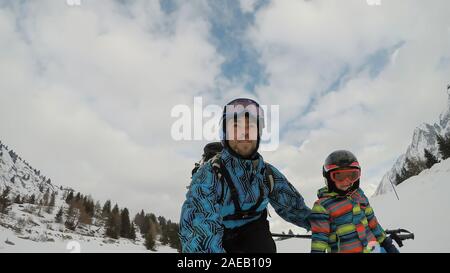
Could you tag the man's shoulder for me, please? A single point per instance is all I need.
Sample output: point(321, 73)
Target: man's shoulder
point(204, 175)
point(277, 174)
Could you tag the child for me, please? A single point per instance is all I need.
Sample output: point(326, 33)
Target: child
point(342, 220)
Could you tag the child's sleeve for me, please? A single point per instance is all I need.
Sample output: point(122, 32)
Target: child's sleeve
point(376, 228)
point(320, 227)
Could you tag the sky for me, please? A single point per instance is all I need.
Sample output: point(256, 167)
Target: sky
point(87, 88)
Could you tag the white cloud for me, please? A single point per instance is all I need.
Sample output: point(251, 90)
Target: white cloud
point(305, 46)
point(86, 92)
point(87, 95)
point(247, 6)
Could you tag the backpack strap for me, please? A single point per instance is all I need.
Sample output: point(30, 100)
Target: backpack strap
point(268, 175)
point(233, 191)
point(224, 176)
point(216, 164)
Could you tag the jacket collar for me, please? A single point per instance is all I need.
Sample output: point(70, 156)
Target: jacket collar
point(357, 196)
point(242, 167)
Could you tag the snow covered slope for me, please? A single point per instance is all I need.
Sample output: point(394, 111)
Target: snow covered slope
point(20, 176)
point(424, 137)
point(32, 227)
point(422, 209)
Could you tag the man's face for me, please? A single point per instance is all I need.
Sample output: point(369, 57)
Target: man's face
point(242, 135)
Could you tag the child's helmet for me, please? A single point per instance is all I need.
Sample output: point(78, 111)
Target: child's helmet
point(340, 160)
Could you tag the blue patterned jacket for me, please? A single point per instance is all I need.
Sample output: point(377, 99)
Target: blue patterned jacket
point(202, 224)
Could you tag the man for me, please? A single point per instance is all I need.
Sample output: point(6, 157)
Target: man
point(226, 206)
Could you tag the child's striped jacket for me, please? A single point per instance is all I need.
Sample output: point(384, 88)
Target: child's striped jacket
point(345, 224)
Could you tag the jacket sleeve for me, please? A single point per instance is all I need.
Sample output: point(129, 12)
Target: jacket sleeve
point(320, 227)
point(201, 227)
point(288, 202)
point(376, 228)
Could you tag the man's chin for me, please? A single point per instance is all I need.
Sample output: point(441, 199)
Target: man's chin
point(246, 150)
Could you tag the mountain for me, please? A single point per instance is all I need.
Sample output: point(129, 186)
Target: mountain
point(39, 216)
point(424, 137)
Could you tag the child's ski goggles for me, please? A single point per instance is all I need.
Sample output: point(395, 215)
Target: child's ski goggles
point(345, 176)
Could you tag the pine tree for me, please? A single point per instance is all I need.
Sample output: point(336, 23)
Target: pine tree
point(150, 241)
point(106, 211)
point(139, 220)
point(78, 197)
point(165, 235)
point(162, 221)
point(59, 215)
point(32, 199)
point(69, 197)
point(411, 168)
point(73, 216)
point(4, 200)
point(174, 238)
point(52, 200)
point(45, 198)
point(154, 223)
point(146, 225)
point(430, 159)
point(88, 205)
point(97, 210)
point(17, 200)
point(125, 228)
point(444, 146)
point(132, 232)
point(84, 217)
point(113, 223)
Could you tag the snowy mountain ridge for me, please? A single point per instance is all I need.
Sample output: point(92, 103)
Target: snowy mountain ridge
point(424, 137)
point(29, 222)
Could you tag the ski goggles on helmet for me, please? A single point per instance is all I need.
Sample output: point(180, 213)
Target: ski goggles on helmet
point(341, 176)
point(244, 106)
point(330, 167)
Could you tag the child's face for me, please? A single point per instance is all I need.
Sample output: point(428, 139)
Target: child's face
point(343, 186)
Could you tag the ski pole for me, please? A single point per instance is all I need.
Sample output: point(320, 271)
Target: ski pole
point(291, 236)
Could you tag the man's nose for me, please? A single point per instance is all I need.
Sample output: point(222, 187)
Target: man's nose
point(245, 134)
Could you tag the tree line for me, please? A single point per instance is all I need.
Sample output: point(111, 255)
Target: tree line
point(413, 167)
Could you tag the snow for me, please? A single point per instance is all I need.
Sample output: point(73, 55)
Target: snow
point(29, 228)
point(77, 244)
point(424, 137)
point(422, 209)
point(42, 234)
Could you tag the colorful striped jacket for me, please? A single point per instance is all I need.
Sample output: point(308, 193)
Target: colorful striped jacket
point(201, 222)
point(344, 224)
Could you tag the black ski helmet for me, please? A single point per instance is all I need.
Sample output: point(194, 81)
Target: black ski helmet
point(341, 159)
point(249, 107)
